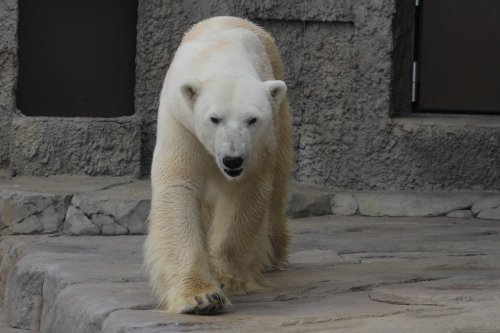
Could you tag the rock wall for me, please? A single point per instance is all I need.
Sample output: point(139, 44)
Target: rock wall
point(348, 65)
point(8, 74)
point(43, 146)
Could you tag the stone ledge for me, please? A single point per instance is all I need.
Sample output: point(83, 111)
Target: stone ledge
point(43, 146)
point(418, 204)
point(80, 205)
point(38, 205)
point(308, 200)
point(352, 273)
point(312, 10)
point(120, 210)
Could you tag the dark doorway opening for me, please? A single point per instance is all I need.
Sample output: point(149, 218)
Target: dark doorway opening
point(457, 56)
point(76, 57)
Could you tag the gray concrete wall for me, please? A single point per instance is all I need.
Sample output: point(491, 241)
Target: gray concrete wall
point(43, 146)
point(348, 70)
point(8, 73)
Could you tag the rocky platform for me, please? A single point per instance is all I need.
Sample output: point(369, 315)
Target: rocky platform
point(348, 274)
point(79, 205)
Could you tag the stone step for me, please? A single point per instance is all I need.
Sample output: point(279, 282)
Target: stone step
point(484, 205)
point(119, 205)
point(104, 205)
point(348, 274)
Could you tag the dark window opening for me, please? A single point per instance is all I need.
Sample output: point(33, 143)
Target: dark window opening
point(458, 56)
point(76, 57)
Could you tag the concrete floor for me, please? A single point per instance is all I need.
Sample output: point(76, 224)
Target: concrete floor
point(346, 274)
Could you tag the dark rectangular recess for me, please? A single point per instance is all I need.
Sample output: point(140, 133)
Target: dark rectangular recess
point(458, 56)
point(76, 57)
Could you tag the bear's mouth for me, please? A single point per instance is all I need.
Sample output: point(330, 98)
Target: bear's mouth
point(233, 172)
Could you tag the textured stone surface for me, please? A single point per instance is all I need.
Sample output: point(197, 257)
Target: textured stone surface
point(10, 254)
point(31, 212)
point(5, 328)
point(461, 214)
point(82, 205)
point(348, 274)
point(8, 75)
point(487, 208)
point(98, 301)
point(84, 146)
point(441, 291)
point(5, 124)
point(306, 200)
point(342, 60)
point(40, 205)
point(24, 295)
point(344, 204)
point(490, 214)
point(60, 184)
point(348, 66)
point(491, 202)
point(413, 204)
point(47, 266)
point(118, 210)
point(76, 223)
point(315, 10)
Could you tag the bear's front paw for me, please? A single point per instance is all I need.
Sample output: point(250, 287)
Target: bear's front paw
point(206, 303)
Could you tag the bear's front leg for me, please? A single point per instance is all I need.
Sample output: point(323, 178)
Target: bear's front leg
point(175, 252)
point(239, 236)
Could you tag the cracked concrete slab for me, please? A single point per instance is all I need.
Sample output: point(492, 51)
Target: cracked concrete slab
point(348, 274)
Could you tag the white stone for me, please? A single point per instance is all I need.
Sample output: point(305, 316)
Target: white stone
point(490, 214)
point(98, 300)
point(454, 290)
point(344, 204)
point(486, 203)
point(461, 214)
point(412, 204)
point(32, 212)
point(97, 284)
point(315, 257)
point(118, 210)
point(308, 200)
point(76, 223)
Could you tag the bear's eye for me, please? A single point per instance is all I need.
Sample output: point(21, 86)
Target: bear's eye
point(252, 121)
point(214, 120)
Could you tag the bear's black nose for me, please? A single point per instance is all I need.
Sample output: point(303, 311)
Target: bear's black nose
point(231, 162)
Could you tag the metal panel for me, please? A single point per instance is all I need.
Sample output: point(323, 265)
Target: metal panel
point(77, 57)
point(459, 56)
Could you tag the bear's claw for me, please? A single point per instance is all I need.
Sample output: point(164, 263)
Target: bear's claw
point(209, 305)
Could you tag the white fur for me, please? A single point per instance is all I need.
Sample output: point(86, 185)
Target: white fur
point(206, 227)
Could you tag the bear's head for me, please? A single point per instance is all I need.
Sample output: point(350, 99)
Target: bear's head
point(232, 118)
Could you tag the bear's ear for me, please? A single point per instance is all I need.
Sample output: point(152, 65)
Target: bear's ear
point(190, 91)
point(276, 89)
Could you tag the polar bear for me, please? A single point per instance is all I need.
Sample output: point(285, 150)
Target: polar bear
point(220, 168)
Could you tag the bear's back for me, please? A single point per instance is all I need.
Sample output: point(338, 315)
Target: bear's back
point(217, 25)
